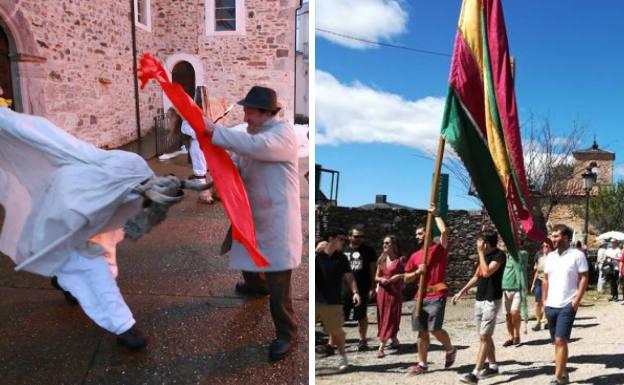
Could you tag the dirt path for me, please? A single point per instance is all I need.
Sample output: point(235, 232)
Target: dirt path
point(596, 351)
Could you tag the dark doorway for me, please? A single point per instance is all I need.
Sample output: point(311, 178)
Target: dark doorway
point(184, 74)
point(6, 76)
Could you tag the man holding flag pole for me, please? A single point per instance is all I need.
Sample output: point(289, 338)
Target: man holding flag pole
point(481, 124)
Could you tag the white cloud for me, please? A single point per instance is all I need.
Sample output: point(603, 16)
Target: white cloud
point(373, 20)
point(356, 113)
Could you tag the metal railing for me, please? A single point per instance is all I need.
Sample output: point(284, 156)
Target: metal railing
point(166, 140)
point(321, 197)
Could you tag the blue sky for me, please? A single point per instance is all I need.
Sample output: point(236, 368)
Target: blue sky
point(378, 108)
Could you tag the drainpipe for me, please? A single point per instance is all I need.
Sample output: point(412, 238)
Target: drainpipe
point(295, 55)
point(134, 70)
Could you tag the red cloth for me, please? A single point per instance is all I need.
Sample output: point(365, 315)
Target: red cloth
point(389, 302)
point(226, 178)
point(436, 268)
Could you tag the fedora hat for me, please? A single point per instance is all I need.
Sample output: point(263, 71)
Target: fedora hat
point(262, 98)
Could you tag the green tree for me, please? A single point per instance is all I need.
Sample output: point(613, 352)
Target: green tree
point(606, 209)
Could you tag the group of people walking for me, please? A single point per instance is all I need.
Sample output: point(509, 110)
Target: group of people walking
point(610, 266)
point(500, 279)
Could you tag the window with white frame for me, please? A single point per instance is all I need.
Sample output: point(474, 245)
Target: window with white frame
point(225, 17)
point(143, 14)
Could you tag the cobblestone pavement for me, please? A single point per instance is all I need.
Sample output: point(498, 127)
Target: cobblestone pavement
point(596, 351)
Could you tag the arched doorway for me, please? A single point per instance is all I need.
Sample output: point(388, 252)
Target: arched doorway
point(184, 74)
point(6, 74)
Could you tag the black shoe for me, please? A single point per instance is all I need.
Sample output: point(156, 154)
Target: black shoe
point(68, 296)
point(469, 379)
point(133, 339)
point(279, 349)
point(487, 372)
point(363, 346)
point(326, 350)
point(243, 288)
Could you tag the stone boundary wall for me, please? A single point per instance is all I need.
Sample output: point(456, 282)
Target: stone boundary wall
point(463, 227)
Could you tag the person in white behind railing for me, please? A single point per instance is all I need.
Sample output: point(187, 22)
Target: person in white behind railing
point(267, 159)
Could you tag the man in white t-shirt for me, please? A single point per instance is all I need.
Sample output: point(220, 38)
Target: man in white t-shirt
point(565, 281)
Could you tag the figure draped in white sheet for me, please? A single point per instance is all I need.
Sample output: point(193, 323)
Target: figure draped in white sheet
point(66, 205)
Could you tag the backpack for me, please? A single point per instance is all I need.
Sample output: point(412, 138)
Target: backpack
point(608, 269)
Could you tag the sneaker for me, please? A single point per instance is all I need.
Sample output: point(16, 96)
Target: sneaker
point(363, 346)
point(537, 327)
point(416, 370)
point(560, 381)
point(469, 378)
point(171, 155)
point(343, 364)
point(487, 372)
point(508, 343)
point(450, 358)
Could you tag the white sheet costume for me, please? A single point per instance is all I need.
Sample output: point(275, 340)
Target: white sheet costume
point(66, 203)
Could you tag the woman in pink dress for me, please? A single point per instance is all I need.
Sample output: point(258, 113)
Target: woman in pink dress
point(389, 265)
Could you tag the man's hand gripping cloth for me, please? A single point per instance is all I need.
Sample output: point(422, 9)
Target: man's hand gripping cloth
point(226, 178)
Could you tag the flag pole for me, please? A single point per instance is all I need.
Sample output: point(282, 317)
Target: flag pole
point(422, 283)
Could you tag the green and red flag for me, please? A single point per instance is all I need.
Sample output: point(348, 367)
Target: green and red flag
point(481, 119)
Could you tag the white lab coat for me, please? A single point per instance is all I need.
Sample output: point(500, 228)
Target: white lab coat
point(268, 164)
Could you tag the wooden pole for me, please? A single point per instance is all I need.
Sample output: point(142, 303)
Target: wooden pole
point(422, 283)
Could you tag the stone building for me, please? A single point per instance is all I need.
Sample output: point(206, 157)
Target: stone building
point(573, 195)
point(73, 61)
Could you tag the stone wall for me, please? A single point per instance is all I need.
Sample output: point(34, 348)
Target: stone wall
point(84, 53)
point(463, 227)
point(86, 47)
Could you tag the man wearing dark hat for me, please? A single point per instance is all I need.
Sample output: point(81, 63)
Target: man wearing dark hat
point(267, 159)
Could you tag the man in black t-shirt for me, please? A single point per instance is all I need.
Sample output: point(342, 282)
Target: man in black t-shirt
point(332, 268)
point(363, 263)
point(489, 281)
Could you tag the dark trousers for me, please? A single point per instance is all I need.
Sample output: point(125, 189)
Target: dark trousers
point(613, 282)
point(277, 284)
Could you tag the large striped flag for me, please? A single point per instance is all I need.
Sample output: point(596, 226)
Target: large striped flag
point(481, 119)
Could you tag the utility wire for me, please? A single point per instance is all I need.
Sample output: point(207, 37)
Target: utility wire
point(424, 51)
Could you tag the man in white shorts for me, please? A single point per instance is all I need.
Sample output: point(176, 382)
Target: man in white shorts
point(488, 278)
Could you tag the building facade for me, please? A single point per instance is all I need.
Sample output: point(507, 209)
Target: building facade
point(572, 199)
point(73, 61)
